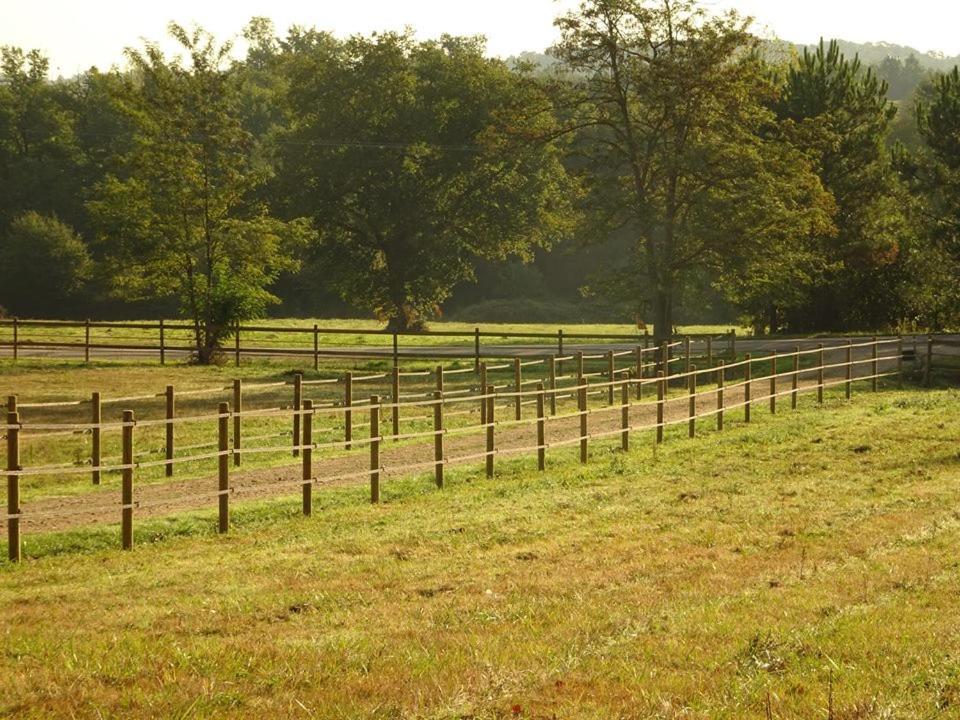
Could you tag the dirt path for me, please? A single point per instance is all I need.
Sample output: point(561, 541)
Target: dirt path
point(102, 506)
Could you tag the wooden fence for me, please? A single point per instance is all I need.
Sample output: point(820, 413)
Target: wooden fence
point(642, 381)
point(162, 340)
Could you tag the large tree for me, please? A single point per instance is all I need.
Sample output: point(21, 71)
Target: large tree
point(179, 219)
point(416, 158)
point(679, 147)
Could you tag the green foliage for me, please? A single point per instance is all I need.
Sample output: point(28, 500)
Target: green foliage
point(38, 247)
point(679, 149)
point(179, 219)
point(416, 159)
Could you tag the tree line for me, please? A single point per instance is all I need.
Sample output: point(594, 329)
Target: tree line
point(665, 159)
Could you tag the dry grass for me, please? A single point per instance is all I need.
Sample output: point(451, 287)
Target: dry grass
point(806, 561)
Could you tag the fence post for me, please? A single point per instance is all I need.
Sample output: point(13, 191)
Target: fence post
point(709, 351)
point(692, 402)
point(665, 359)
point(611, 376)
point(168, 430)
point(927, 379)
point(307, 457)
point(625, 413)
point(297, 402)
point(13, 483)
point(820, 373)
point(518, 387)
point(163, 349)
point(661, 382)
point(720, 380)
point(395, 393)
point(86, 341)
point(748, 382)
point(579, 367)
point(316, 347)
point(773, 383)
point(560, 347)
point(541, 429)
point(476, 349)
point(375, 448)
point(582, 407)
point(483, 393)
point(552, 379)
point(16, 338)
point(488, 391)
point(438, 437)
point(795, 381)
point(237, 419)
point(733, 344)
point(900, 361)
point(848, 369)
point(236, 346)
point(126, 487)
point(96, 417)
point(348, 413)
point(686, 353)
point(875, 366)
point(639, 373)
point(223, 468)
point(396, 351)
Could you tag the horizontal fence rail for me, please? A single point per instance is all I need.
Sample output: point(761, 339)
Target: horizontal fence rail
point(645, 389)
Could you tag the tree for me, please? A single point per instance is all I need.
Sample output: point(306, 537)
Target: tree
point(839, 113)
point(35, 247)
point(416, 159)
point(678, 146)
point(179, 220)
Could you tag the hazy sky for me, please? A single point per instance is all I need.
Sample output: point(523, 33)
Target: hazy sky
point(76, 35)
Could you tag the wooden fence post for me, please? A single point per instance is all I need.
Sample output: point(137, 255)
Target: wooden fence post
point(639, 373)
point(560, 347)
point(307, 457)
point(168, 430)
point(126, 487)
point(720, 379)
point(709, 351)
point(773, 383)
point(733, 344)
point(874, 366)
point(348, 413)
point(692, 402)
point(375, 448)
point(541, 429)
point(518, 387)
point(223, 468)
point(438, 437)
point(86, 341)
point(795, 381)
point(396, 350)
point(661, 382)
point(395, 393)
point(163, 347)
point(236, 346)
point(625, 414)
point(820, 373)
point(552, 379)
point(488, 391)
point(483, 393)
point(848, 369)
point(611, 377)
point(900, 361)
point(438, 371)
point(11, 403)
point(579, 367)
point(16, 338)
point(316, 347)
point(665, 359)
point(237, 419)
point(582, 406)
point(747, 387)
point(96, 417)
point(686, 353)
point(297, 402)
point(927, 371)
point(476, 350)
point(13, 484)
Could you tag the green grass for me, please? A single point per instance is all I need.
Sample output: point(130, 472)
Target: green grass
point(804, 562)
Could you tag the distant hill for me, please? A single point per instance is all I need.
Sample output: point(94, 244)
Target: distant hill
point(872, 53)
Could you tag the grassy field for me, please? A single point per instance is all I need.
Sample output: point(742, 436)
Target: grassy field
point(508, 333)
point(804, 566)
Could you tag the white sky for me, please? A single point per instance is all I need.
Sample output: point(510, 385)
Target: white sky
point(76, 35)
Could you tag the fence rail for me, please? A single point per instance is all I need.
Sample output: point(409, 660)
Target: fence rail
point(488, 406)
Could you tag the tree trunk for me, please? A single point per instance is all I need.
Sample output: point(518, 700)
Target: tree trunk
point(774, 319)
point(662, 316)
